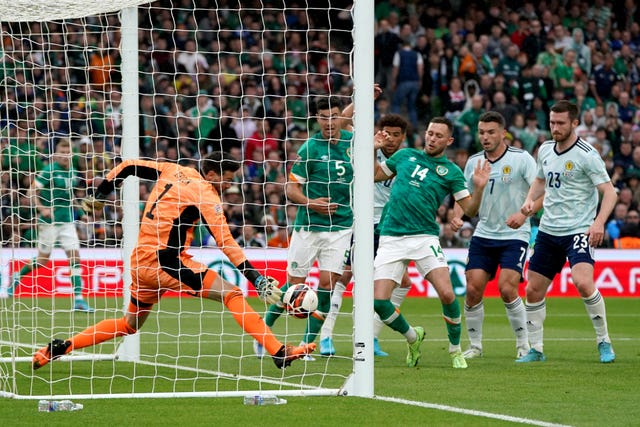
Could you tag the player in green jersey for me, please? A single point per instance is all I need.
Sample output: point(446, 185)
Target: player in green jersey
point(320, 185)
point(409, 231)
point(52, 192)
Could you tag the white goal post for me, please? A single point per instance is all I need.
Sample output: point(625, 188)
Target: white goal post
point(188, 347)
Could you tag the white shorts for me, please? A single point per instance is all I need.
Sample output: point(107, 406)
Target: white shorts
point(395, 252)
point(65, 233)
point(330, 248)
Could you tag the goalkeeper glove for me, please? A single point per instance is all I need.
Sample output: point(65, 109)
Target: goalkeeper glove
point(91, 204)
point(268, 289)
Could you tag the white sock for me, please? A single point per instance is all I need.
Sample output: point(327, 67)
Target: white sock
point(411, 335)
point(517, 315)
point(474, 317)
point(332, 315)
point(398, 295)
point(536, 313)
point(598, 315)
point(377, 325)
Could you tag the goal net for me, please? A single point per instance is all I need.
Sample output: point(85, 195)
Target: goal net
point(161, 81)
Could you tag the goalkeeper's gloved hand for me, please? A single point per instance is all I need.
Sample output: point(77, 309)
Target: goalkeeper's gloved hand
point(91, 204)
point(268, 289)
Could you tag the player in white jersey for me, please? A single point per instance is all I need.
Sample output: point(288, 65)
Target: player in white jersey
point(501, 237)
point(571, 175)
point(393, 135)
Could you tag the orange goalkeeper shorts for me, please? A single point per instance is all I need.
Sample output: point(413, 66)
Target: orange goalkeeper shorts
point(150, 281)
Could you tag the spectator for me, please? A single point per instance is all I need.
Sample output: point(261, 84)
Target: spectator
point(583, 53)
point(567, 72)
point(386, 43)
point(582, 99)
point(603, 78)
point(467, 123)
point(535, 41)
point(280, 239)
point(629, 232)
point(587, 127)
point(250, 238)
point(406, 81)
point(549, 58)
point(626, 110)
point(509, 66)
point(616, 222)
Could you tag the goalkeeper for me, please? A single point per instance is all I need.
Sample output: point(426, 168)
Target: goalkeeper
point(181, 198)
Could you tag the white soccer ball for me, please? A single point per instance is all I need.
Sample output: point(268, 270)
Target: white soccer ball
point(300, 301)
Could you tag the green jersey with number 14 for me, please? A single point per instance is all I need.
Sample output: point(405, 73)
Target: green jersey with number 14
point(325, 170)
point(421, 185)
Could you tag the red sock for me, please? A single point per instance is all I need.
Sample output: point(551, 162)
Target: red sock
point(102, 331)
point(250, 321)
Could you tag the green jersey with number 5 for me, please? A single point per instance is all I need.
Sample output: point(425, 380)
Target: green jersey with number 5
point(325, 170)
point(421, 185)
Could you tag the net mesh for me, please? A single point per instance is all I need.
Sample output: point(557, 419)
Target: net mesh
point(239, 77)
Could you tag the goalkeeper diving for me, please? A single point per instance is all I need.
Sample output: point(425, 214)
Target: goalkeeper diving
point(181, 198)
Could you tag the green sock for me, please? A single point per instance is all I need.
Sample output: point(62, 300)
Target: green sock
point(274, 311)
point(314, 324)
point(76, 281)
point(28, 267)
point(387, 312)
point(452, 318)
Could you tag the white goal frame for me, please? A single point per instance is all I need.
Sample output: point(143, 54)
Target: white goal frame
point(361, 381)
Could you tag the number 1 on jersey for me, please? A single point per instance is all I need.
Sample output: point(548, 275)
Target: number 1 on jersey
point(150, 213)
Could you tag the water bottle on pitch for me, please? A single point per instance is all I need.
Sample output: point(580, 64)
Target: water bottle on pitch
point(58, 405)
point(264, 399)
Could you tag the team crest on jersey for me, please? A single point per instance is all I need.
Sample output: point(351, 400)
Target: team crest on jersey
point(442, 170)
point(218, 209)
point(506, 173)
point(568, 168)
point(412, 159)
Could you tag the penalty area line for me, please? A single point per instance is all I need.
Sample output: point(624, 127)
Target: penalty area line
point(472, 412)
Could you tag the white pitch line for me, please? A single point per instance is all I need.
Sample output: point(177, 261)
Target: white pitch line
point(472, 412)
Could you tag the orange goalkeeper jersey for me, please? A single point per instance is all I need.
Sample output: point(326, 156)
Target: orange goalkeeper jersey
point(180, 199)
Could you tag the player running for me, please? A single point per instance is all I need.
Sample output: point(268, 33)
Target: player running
point(181, 198)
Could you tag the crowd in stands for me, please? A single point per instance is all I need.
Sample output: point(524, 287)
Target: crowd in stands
point(243, 80)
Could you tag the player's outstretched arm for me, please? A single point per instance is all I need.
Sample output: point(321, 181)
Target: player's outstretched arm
point(267, 287)
point(141, 168)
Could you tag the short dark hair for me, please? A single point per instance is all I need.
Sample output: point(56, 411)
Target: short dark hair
point(445, 121)
point(219, 162)
point(564, 106)
point(328, 102)
point(394, 120)
point(493, 117)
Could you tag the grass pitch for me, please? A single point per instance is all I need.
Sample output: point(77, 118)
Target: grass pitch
point(570, 388)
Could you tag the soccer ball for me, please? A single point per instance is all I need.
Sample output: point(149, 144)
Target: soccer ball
point(300, 301)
